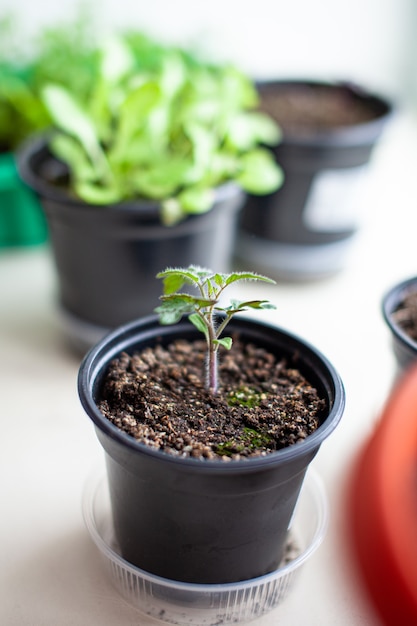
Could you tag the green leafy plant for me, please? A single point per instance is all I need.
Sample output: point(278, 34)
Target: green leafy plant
point(203, 309)
point(163, 125)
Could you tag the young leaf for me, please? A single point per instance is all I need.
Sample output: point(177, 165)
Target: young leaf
point(235, 276)
point(247, 129)
point(175, 278)
point(116, 60)
point(236, 305)
point(97, 194)
point(260, 173)
point(172, 310)
point(70, 151)
point(196, 199)
point(226, 342)
point(69, 116)
point(198, 323)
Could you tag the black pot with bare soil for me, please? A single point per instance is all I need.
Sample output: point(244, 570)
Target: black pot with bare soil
point(204, 478)
point(399, 308)
point(306, 229)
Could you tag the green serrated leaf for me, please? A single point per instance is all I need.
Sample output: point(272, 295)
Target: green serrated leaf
point(173, 308)
point(168, 317)
point(186, 299)
point(172, 282)
point(179, 275)
point(219, 279)
point(251, 276)
point(257, 304)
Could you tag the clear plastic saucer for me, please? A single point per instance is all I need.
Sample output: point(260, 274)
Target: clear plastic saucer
point(186, 604)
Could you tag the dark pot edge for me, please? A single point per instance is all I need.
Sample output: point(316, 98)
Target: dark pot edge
point(96, 360)
point(390, 301)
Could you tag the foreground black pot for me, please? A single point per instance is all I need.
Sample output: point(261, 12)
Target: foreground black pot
point(305, 229)
point(107, 256)
point(404, 347)
point(204, 521)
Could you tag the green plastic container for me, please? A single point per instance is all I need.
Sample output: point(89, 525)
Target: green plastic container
point(22, 222)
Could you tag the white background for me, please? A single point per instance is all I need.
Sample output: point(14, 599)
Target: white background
point(370, 41)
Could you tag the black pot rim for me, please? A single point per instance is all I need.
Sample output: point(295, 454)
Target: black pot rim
point(390, 301)
point(358, 134)
point(36, 147)
point(121, 338)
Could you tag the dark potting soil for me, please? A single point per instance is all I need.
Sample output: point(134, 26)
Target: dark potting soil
point(315, 108)
point(158, 396)
point(406, 315)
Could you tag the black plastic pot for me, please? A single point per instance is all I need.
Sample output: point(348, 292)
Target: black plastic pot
point(204, 521)
point(107, 256)
point(404, 348)
point(305, 229)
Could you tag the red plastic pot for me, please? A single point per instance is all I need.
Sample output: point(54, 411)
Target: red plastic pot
point(383, 508)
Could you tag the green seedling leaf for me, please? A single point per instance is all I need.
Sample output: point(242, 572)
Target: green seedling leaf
point(185, 299)
point(226, 342)
point(249, 276)
point(203, 308)
point(237, 305)
point(175, 278)
point(171, 310)
point(199, 324)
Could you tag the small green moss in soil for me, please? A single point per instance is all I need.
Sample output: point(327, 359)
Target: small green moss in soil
point(159, 397)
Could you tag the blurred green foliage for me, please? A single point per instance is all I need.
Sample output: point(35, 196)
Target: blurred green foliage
point(162, 124)
point(65, 54)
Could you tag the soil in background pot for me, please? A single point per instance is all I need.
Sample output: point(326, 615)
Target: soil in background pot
point(313, 108)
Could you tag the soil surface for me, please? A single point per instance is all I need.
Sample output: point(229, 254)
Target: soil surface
point(158, 396)
point(406, 315)
point(315, 108)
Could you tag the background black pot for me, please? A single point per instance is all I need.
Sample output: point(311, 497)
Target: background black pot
point(305, 229)
point(107, 256)
point(211, 521)
point(404, 347)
